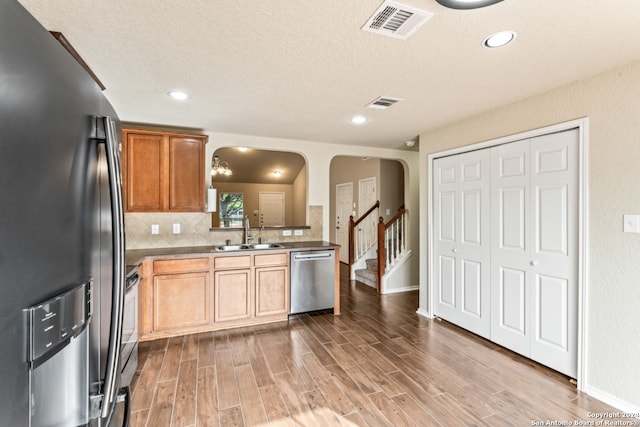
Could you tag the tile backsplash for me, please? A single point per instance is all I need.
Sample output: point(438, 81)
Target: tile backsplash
point(195, 230)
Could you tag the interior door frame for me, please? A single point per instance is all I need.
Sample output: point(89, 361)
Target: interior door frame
point(582, 124)
point(344, 253)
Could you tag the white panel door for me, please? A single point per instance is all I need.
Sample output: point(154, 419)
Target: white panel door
point(461, 241)
point(445, 220)
point(344, 208)
point(534, 254)
point(271, 205)
point(554, 257)
point(367, 196)
point(510, 246)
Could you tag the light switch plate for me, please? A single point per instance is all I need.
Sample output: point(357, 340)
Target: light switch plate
point(298, 232)
point(286, 232)
point(631, 223)
point(176, 228)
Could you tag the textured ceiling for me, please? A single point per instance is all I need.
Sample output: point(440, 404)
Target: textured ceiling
point(301, 69)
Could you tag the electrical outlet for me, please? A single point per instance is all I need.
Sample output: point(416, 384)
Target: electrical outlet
point(286, 232)
point(155, 229)
point(298, 232)
point(176, 228)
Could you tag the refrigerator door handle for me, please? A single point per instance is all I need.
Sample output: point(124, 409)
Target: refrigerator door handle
point(115, 340)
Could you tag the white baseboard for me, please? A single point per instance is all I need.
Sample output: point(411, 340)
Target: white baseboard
point(623, 406)
point(425, 313)
point(403, 289)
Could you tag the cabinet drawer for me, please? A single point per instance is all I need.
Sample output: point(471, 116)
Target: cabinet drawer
point(242, 261)
point(165, 266)
point(262, 260)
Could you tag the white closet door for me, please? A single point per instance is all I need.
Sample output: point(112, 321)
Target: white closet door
point(554, 261)
point(510, 246)
point(534, 254)
point(462, 247)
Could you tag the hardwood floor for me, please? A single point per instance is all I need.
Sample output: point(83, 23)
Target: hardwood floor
point(378, 364)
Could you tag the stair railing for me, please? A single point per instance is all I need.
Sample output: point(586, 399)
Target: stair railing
point(362, 234)
point(392, 242)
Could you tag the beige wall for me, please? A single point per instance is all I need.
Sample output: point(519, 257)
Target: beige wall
point(350, 169)
point(251, 199)
point(318, 157)
point(611, 101)
point(300, 198)
point(391, 188)
point(390, 183)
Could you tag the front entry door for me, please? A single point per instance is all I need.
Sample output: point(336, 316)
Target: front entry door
point(271, 209)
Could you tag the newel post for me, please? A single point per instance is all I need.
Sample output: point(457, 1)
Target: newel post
point(352, 227)
point(382, 253)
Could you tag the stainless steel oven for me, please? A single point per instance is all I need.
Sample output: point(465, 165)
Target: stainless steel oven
point(129, 349)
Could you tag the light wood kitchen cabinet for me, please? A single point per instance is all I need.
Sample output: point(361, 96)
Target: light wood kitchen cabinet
point(163, 171)
point(174, 296)
point(271, 284)
point(232, 297)
point(181, 301)
point(272, 291)
point(186, 295)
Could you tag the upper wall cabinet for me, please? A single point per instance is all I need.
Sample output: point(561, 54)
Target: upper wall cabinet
point(163, 171)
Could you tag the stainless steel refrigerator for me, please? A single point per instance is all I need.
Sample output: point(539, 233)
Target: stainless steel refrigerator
point(61, 235)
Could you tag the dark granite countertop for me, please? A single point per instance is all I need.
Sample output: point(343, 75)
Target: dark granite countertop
point(136, 256)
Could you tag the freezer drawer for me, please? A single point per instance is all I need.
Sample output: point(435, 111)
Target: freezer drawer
point(312, 280)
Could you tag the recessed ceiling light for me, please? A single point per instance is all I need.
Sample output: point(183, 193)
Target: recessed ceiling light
point(358, 120)
point(180, 96)
point(499, 39)
point(242, 149)
point(467, 4)
point(410, 143)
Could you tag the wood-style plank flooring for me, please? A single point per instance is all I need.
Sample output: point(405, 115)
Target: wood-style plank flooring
point(378, 364)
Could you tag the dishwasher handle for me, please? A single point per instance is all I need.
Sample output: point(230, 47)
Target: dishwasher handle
point(312, 256)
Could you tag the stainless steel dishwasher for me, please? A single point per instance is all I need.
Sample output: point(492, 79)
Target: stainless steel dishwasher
point(312, 280)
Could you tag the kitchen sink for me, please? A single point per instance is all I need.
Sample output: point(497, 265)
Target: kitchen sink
point(252, 246)
point(265, 246)
point(232, 247)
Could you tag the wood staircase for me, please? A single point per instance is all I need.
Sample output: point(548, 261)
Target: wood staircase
point(389, 241)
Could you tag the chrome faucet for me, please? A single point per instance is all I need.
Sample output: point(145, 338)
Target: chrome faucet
point(247, 238)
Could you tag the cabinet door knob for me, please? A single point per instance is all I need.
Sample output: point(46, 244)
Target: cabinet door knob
point(454, 250)
point(534, 263)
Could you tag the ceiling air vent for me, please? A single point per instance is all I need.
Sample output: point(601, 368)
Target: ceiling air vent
point(382, 102)
point(396, 20)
